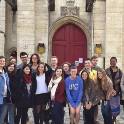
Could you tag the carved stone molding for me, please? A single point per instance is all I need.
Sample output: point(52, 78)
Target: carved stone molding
point(70, 11)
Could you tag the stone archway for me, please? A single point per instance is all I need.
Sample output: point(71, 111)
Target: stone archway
point(73, 20)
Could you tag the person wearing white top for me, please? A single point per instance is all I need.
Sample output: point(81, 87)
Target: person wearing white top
point(41, 95)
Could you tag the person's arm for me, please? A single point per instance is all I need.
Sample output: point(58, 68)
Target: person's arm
point(48, 68)
point(69, 98)
point(80, 91)
point(122, 84)
point(92, 92)
point(60, 92)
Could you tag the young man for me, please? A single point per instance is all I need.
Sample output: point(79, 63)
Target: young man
point(74, 92)
point(5, 94)
point(115, 74)
point(54, 62)
point(24, 60)
point(88, 67)
point(94, 60)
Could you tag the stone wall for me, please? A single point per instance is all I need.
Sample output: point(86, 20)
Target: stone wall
point(33, 22)
point(10, 29)
point(41, 25)
point(113, 33)
point(26, 26)
point(2, 26)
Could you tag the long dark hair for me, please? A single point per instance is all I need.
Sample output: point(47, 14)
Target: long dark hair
point(54, 74)
point(38, 58)
point(14, 71)
point(87, 81)
point(37, 71)
point(26, 65)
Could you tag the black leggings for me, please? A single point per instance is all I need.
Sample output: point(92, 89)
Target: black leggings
point(21, 115)
point(40, 114)
point(89, 115)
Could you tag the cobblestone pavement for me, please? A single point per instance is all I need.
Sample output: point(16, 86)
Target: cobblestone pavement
point(120, 119)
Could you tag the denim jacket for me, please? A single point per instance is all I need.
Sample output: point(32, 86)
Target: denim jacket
point(2, 83)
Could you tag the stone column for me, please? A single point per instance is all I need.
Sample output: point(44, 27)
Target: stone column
point(98, 27)
point(26, 26)
point(123, 40)
point(2, 26)
point(42, 25)
point(114, 24)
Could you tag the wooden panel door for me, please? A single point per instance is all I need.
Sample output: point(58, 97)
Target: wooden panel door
point(69, 44)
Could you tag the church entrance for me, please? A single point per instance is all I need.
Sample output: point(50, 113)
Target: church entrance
point(69, 43)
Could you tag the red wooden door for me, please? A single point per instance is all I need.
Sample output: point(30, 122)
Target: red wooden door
point(69, 44)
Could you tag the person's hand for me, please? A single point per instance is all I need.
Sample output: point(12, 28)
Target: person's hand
point(52, 98)
point(88, 105)
point(113, 92)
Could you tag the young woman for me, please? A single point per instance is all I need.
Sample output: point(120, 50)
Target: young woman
point(34, 61)
point(74, 93)
point(57, 89)
point(88, 98)
point(41, 94)
point(26, 86)
point(11, 69)
point(104, 92)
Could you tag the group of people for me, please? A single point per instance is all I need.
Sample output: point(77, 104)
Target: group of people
point(47, 89)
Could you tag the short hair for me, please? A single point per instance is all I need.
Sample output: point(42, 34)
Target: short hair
point(69, 64)
point(113, 58)
point(88, 59)
point(93, 57)
point(23, 54)
point(54, 57)
point(2, 57)
point(73, 66)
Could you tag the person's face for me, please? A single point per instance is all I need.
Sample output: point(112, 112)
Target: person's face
point(54, 61)
point(66, 67)
point(13, 61)
point(11, 68)
point(41, 68)
point(100, 75)
point(113, 62)
point(24, 59)
point(94, 62)
point(27, 70)
point(2, 62)
point(84, 75)
point(58, 73)
point(73, 72)
point(88, 64)
point(34, 59)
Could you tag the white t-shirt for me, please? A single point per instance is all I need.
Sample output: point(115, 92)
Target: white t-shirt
point(41, 84)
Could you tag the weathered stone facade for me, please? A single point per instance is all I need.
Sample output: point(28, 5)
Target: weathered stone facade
point(2, 27)
point(33, 23)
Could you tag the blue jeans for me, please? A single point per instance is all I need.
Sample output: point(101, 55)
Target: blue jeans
point(4, 109)
point(106, 112)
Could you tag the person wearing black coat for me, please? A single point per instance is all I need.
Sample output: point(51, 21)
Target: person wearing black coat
point(25, 92)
